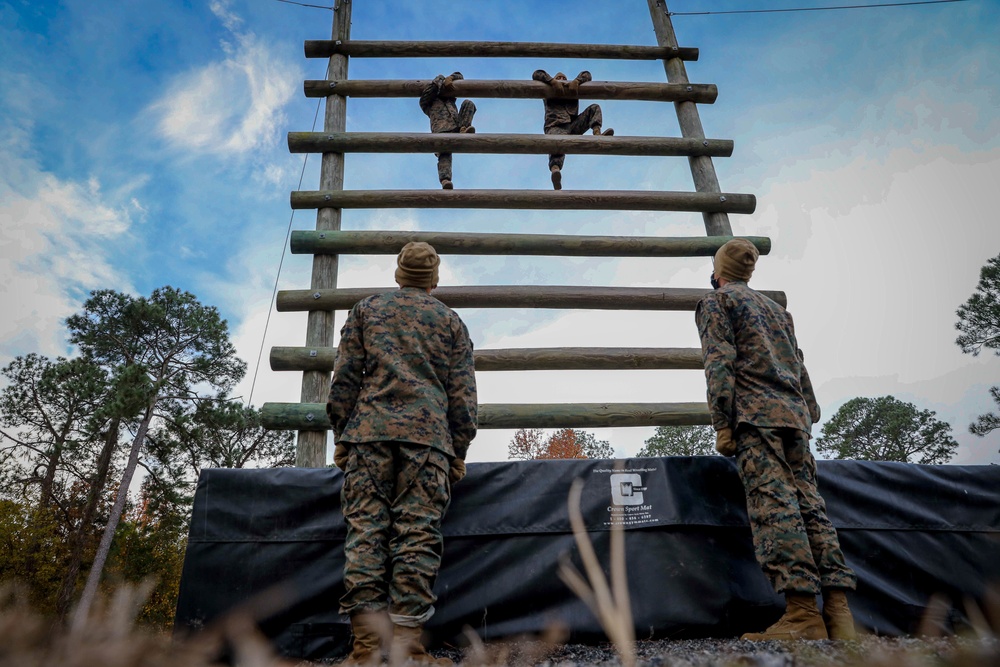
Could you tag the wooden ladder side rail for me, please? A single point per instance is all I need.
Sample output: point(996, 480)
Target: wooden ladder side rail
point(702, 93)
point(310, 447)
point(446, 142)
point(576, 200)
point(516, 296)
point(312, 416)
point(356, 48)
point(523, 359)
point(702, 169)
point(374, 242)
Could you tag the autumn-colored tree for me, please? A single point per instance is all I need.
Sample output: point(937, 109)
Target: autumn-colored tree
point(532, 444)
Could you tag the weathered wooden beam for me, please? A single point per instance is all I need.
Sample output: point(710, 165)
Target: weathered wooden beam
point(702, 169)
point(543, 144)
point(516, 296)
point(575, 200)
point(700, 93)
point(461, 243)
point(324, 48)
point(312, 416)
point(522, 359)
point(310, 447)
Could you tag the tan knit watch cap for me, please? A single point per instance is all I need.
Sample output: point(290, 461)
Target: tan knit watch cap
point(417, 265)
point(735, 260)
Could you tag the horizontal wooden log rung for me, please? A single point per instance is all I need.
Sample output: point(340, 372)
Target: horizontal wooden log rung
point(516, 296)
point(701, 93)
point(541, 144)
point(312, 416)
point(568, 200)
point(521, 359)
point(373, 242)
point(324, 48)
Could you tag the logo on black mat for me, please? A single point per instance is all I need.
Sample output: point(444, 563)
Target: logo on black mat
point(626, 488)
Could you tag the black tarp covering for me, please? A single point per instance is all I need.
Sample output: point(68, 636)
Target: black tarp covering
point(909, 531)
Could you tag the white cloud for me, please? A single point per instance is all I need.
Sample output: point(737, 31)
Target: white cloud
point(54, 239)
point(233, 106)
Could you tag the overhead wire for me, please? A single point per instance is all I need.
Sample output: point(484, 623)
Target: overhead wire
point(288, 233)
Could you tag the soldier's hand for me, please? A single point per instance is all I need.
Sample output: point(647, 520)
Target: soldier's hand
point(448, 82)
point(724, 443)
point(457, 471)
point(574, 87)
point(558, 86)
point(340, 454)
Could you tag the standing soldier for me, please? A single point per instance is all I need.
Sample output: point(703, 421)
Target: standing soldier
point(403, 409)
point(438, 102)
point(562, 115)
point(763, 408)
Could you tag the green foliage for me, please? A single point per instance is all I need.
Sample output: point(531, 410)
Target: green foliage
point(979, 327)
point(215, 434)
point(680, 441)
point(594, 448)
point(886, 429)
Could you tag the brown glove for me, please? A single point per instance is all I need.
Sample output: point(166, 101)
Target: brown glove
point(573, 87)
point(340, 454)
point(724, 443)
point(457, 471)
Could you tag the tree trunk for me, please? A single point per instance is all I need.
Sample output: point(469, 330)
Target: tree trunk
point(77, 538)
point(104, 548)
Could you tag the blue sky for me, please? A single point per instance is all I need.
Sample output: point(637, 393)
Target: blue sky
point(143, 144)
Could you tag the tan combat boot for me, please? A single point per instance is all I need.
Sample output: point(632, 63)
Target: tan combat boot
point(837, 615)
point(556, 177)
point(406, 646)
point(802, 620)
point(372, 631)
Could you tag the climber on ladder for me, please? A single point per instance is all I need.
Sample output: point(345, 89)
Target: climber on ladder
point(562, 115)
point(438, 102)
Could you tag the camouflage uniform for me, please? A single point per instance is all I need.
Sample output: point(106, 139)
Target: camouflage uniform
point(403, 398)
point(445, 116)
point(562, 115)
point(758, 386)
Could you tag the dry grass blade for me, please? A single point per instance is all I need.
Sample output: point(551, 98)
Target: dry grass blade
point(609, 604)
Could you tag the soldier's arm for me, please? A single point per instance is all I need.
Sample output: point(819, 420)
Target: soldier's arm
point(807, 390)
point(541, 75)
point(583, 77)
point(463, 404)
point(347, 373)
point(430, 93)
point(718, 350)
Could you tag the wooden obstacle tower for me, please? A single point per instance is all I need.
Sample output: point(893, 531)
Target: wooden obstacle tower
point(315, 360)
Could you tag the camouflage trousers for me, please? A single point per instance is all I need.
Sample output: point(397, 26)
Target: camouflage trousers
point(464, 119)
point(394, 497)
point(795, 543)
point(590, 117)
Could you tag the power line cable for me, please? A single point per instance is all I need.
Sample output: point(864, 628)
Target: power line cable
point(814, 9)
point(288, 233)
point(303, 4)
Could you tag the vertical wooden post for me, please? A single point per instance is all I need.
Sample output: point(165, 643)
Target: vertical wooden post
point(702, 169)
point(310, 451)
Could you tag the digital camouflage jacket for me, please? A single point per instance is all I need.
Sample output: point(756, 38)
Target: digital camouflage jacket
point(441, 110)
point(560, 110)
point(404, 372)
point(753, 365)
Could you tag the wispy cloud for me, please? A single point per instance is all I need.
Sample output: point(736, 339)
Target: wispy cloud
point(53, 249)
point(233, 106)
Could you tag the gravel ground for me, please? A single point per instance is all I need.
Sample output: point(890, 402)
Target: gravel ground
point(877, 651)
